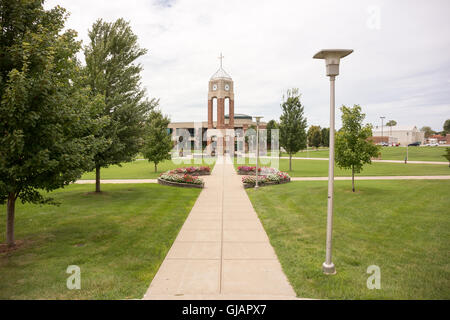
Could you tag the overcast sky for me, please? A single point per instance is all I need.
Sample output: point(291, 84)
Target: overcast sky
point(400, 67)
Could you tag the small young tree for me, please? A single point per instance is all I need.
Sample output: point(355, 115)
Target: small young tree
point(314, 136)
point(292, 124)
point(112, 72)
point(157, 140)
point(272, 124)
point(325, 136)
point(447, 155)
point(353, 146)
point(246, 138)
point(47, 132)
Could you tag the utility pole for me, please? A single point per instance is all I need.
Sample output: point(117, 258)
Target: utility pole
point(382, 119)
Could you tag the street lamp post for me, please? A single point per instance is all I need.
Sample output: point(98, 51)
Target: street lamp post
point(307, 150)
point(382, 119)
point(407, 143)
point(332, 58)
point(257, 118)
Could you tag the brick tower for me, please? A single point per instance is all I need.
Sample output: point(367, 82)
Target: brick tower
point(220, 88)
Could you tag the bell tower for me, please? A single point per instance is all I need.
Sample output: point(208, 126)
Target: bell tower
point(220, 87)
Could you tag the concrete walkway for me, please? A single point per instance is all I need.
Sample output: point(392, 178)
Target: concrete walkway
point(385, 161)
point(222, 250)
point(326, 159)
point(373, 178)
point(382, 161)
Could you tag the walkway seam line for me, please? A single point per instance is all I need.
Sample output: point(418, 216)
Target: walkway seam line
point(221, 233)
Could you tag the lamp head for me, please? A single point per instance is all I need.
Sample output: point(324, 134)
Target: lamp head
point(332, 58)
point(258, 118)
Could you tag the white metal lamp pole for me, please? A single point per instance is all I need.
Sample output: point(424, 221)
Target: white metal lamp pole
point(257, 118)
point(407, 144)
point(332, 58)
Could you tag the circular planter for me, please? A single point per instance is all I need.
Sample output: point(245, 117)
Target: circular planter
point(196, 173)
point(263, 184)
point(201, 173)
point(179, 184)
point(246, 173)
point(250, 173)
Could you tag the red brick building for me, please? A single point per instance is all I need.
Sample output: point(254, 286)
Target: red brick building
point(222, 119)
point(439, 138)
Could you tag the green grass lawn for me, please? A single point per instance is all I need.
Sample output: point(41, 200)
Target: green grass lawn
point(401, 226)
point(319, 168)
point(389, 153)
point(414, 153)
point(141, 169)
point(118, 238)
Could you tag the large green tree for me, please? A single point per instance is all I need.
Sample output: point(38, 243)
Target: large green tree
point(47, 132)
point(446, 126)
point(447, 155)
point(314, 136)
point(428, 132)
point(325, 136)
point(157, 140)
point(353, 146)
point(112, 71)
point(292, 124)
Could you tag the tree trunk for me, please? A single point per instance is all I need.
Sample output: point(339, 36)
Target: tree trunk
point(290, 161)
point(156, 168)
point(10, 209)
point(97, 178)
point(353, 179)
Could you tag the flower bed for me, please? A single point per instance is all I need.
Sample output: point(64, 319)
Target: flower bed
point(246, 170)
point(193, 171)
point(170, 178)
point(276, 177)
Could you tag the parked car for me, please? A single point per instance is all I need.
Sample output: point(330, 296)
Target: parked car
point(414, 144)
point(433, 144)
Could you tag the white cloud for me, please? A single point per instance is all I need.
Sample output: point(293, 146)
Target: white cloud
point(401, 70)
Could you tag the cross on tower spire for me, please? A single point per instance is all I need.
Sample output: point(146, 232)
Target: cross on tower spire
point(221, 58)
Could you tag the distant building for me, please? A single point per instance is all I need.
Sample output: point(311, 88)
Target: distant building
point(398, 134)
point(379, 139)
point(437, 138)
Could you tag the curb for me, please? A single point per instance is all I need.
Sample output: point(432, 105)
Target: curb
point(247, 186)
